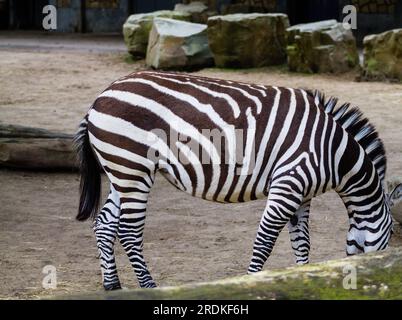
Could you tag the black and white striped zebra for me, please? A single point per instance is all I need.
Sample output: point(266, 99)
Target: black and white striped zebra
point(293, 146)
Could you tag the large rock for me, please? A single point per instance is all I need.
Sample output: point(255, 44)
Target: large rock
point(198, 11)
point(137, 27)
point(383, 56)
point(324, 46)
point(248, 40)
point(177, 44)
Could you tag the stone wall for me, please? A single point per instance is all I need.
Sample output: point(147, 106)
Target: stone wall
point(375, 16)
point(375, 6)
point(100, 15)
point(248, 6)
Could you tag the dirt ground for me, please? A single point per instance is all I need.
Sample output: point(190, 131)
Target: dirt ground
point(186, 239)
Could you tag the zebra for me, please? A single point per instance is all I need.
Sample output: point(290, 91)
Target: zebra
point(302, 144)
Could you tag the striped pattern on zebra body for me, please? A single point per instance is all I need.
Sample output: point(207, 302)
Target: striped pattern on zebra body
point(286, 145)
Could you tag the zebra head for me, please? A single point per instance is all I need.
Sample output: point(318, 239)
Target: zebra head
point(395, 203)
point(374, 232)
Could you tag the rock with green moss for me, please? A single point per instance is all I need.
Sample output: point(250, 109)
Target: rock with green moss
point(321, 47)
point(383, 56)
point(137, 27)
point(177, 44)
point(366, 276)
point(248, 40)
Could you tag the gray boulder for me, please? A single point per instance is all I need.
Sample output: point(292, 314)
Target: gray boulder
point(137, 27)
point(324, 46)
point(248, 40)
point(383, 56)
point(177, 44)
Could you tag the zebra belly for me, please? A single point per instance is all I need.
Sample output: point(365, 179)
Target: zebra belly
point(225, 183)
point(238, 192)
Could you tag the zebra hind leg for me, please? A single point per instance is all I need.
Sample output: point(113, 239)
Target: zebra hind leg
point(105, 228)
point(284, 199)
point(131, 227)
point(299, 233)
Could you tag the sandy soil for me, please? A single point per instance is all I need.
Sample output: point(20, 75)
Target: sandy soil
point(186, 239)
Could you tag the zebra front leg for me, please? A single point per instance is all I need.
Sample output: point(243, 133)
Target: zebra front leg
point(131, 227)
point(299, 233)
point(105, 228)
point(284, 199)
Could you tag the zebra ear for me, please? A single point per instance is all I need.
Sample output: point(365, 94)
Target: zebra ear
point(395, 203)
point(396, 195)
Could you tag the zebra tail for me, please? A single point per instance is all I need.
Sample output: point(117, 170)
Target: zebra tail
point(90, 182)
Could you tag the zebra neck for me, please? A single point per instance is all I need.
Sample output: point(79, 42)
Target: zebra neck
point(362, 190)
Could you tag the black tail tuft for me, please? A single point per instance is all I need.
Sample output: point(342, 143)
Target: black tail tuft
point(90, 183)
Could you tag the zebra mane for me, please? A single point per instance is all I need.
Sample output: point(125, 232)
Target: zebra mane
point(353, 121)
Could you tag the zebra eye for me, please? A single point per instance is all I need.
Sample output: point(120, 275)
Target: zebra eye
point(395, 203)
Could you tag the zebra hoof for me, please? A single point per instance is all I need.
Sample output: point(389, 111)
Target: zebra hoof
point(294, 220)
point(112, 286)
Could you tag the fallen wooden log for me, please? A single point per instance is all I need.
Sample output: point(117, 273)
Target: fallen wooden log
point(367, 276)
point(16, 131)
point(35, 148)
